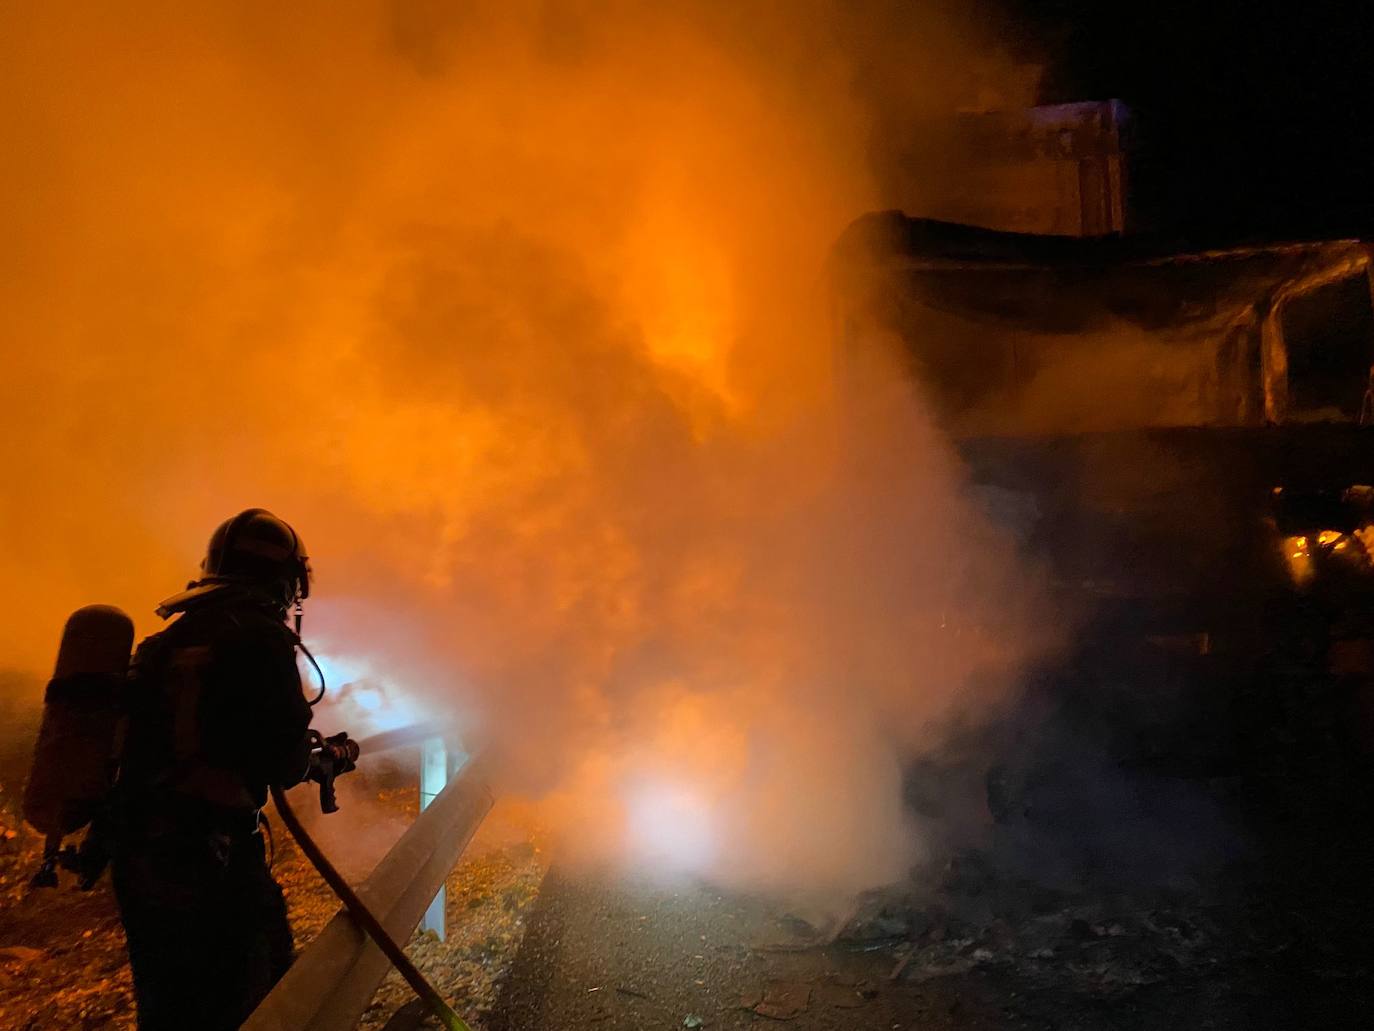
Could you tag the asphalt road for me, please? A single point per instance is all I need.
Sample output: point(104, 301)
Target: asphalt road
point(612, 955)
point(615, 955)
point(605, 955)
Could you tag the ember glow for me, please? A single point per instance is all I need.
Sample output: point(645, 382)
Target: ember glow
point(1353, 551)
point(518, 314)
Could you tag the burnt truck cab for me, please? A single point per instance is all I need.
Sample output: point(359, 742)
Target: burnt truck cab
point(1189, 426)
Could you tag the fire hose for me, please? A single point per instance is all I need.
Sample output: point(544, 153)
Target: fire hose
point(358, 909)
point(369, 922)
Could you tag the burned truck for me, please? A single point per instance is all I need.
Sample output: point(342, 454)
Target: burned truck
point(1186, 423)
point(1180, 434)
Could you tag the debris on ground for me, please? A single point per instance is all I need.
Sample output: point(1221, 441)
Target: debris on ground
point(780, 1000)
point(1095, 945)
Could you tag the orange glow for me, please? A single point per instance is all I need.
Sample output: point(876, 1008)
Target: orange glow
point(1299, 558)
point(1365, 535)
point(1299, 551)
point(517, 313)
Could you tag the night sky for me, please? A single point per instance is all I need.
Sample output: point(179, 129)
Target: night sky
point(1252, 118)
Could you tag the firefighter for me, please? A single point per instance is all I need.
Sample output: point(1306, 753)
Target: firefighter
point(216, 714)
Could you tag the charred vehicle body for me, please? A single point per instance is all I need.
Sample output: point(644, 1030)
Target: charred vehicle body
point(1180, 435)
point(1187, 425)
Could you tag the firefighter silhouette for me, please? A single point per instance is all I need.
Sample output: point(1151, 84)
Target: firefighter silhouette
point(216, 714)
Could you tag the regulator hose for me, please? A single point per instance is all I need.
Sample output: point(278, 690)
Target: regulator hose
point(422, 988)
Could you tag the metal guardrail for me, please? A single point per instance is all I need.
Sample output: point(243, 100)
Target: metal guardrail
point(334, 979)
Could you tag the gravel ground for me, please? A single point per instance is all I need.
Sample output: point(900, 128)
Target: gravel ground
point(489, 897)
point(63, 964)
point(62, 959)
point(610, 954)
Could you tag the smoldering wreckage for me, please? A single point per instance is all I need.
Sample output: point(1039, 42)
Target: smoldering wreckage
point(1171, 823)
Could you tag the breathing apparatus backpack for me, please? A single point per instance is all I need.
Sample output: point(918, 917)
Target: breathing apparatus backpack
point(76, 754)
point(76, 758)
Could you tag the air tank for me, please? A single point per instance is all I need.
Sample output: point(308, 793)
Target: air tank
point(74, 757)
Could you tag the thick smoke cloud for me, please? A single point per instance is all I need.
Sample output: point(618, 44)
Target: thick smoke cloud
point(518, 313)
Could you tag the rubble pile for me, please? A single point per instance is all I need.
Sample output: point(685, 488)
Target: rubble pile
point(1089, 944)
point(1094, 948)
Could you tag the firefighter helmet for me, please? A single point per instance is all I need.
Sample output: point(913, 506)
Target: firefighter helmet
point(257, 547)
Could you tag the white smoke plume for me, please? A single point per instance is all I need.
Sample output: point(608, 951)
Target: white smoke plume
point(517, 312)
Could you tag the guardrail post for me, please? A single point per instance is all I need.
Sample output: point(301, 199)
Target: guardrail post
point(439, 759)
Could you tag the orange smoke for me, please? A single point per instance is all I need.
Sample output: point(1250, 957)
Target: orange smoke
point(517, 313)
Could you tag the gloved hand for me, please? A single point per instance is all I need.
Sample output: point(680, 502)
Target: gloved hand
point(330, 757)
